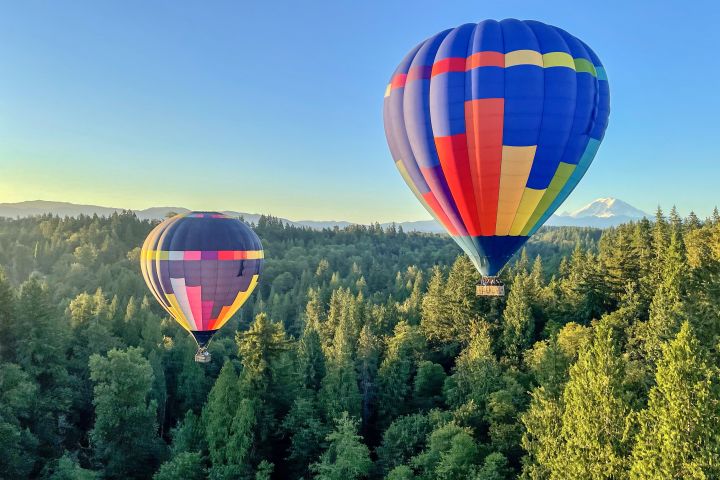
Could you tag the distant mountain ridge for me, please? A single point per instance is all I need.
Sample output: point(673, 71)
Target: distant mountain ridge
point(601, 213)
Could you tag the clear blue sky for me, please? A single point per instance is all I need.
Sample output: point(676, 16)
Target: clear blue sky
point(276, 107)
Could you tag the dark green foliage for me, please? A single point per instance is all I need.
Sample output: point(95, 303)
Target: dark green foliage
point(68, 468)
point(428, 384)
point(17, 392)
point(186, 465)
point(679, 435)
point(347, 457)
point(402, 440)
point(124, 437)
point(365, 340)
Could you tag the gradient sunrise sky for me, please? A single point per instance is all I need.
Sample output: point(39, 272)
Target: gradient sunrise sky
point(276, 107)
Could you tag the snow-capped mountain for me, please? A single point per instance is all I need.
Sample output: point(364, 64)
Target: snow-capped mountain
point(600, 213)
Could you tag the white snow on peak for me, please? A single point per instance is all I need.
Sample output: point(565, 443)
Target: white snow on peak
point(606, 208)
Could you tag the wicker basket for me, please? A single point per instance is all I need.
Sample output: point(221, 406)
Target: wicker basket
point(490, 290)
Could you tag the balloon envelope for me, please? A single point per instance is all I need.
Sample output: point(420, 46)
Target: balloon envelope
point(492, 125)
point(201, 267)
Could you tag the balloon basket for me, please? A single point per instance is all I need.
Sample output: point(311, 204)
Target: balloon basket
point(490, 287)
point(202, 355)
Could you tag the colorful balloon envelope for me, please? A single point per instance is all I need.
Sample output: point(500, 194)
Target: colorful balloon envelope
point(492, 125)
point(201, 267)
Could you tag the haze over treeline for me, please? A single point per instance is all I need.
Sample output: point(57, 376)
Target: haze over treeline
point(365, 354)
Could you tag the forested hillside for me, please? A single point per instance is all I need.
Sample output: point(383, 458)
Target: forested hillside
point(365, 354)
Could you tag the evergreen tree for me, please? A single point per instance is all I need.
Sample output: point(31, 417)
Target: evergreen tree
point(660, 242)
point(68, 468)
point(186, 465)
point(19, 445)
point(477, 372)
point(667, 310)
point(368, 357)
point(542, 439)
point(124, 436)
point(347, 457)
point(307, 433)
point(188, 435)
point(7, 315)
point(339, 391)
point(495, 467)
point(518, 323)
point(311, 360)
point(264, 470)
point(435, 321)
point(428, 385)
point(679, 437)
point(451, 454)
point(402, 440)
point(397, 370)
point(401, 472)
point(594, 419)
point(218, 414)
point(41, 352)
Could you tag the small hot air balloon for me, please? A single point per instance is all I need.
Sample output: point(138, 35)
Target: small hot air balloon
point(201, 267)
point(492, 125)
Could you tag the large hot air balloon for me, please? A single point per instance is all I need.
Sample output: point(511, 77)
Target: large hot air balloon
point(201, 267)
point(492, 125)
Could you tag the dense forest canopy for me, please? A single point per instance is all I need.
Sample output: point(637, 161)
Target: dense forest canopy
point(365, 354)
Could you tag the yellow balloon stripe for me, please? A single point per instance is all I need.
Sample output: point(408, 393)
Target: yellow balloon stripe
point(514, 172)
point(530, 199)
point(562, 174)
point(176, 312)
point(228, 312)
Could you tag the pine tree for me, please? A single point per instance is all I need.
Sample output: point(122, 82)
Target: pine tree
point(642, 247)
point(263, 391)
point(311, 360)
point(125, 435)
point(42, 344)
point(368, 357)
point(679, 437)
point(395, 375)
point(68, 468)
point(692, 222)
point(594, 419)
point(495, 467)
point(412, 306)
point(660, 242)
point(542, 439)
point(188, 435)
point(307, 433)
point(260, 346)
point(435, 321)
point(518, 324)
point(19, 445)
point(347, 457)
point(667, 310)
point(186, 465)
point(428, 385)
point(339, 391)
point(218, 413)
point(477, 372)
point(402, 440)
point(7, 324)
point(715, 217)
point(451, 454)
point(460, 294)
